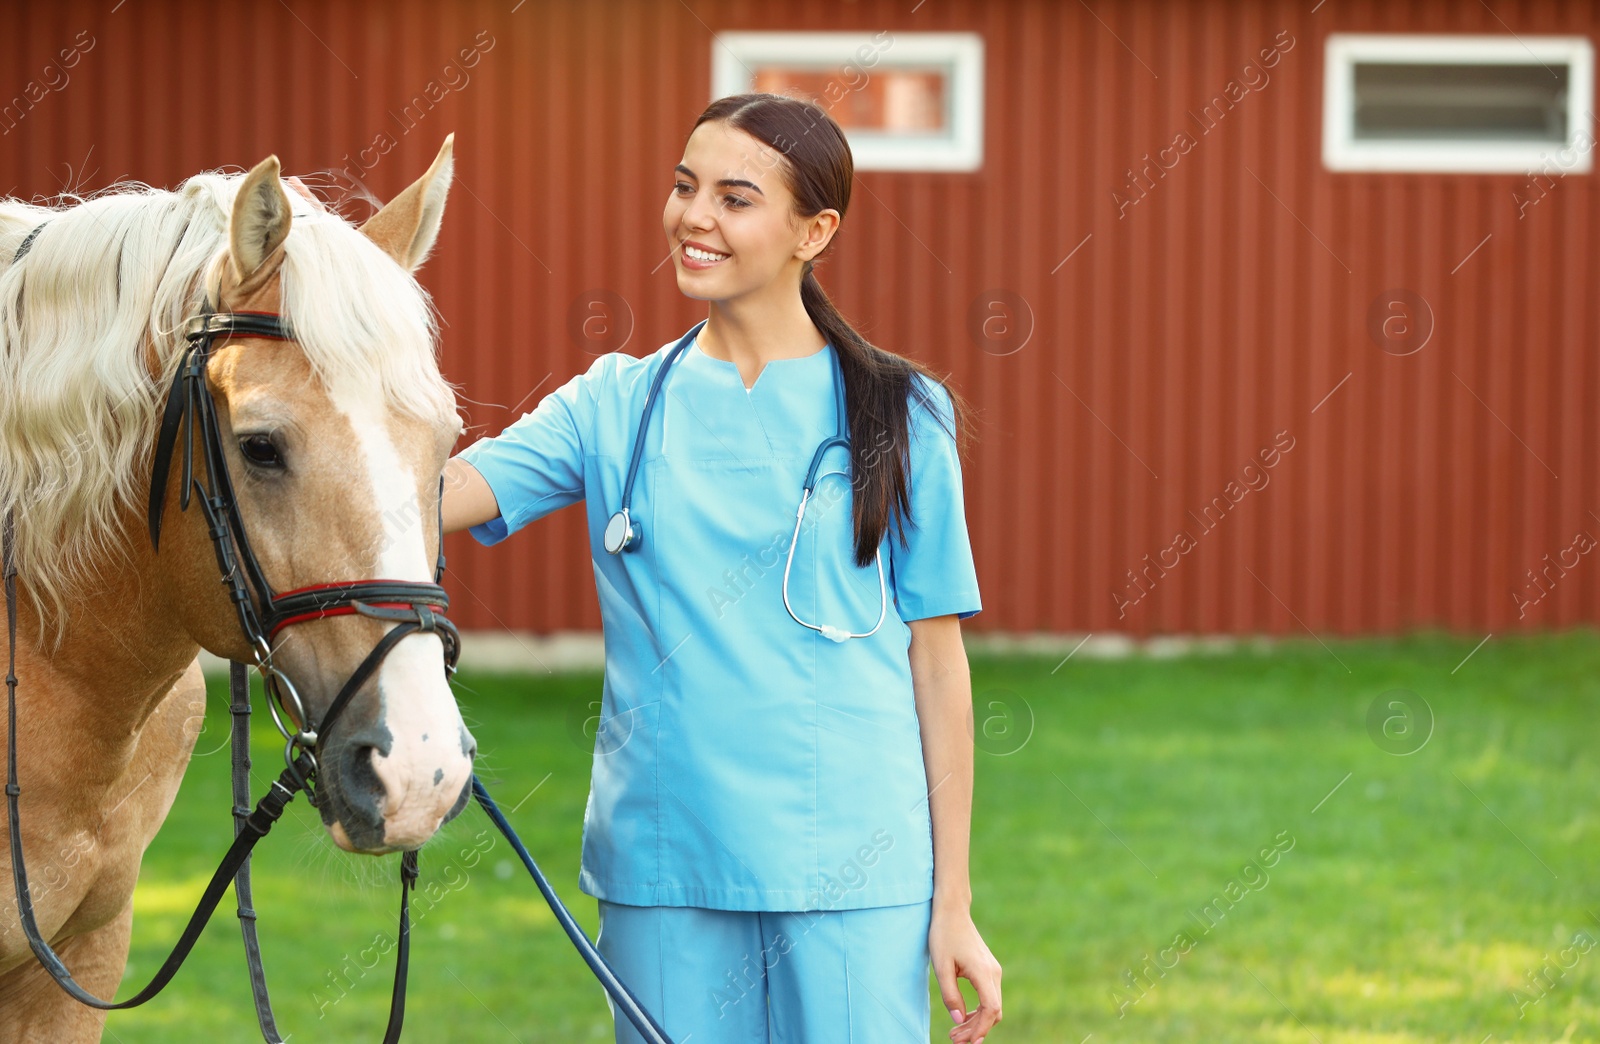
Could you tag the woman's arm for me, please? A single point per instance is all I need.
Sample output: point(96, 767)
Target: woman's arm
point(942, 682)
point(468, 500)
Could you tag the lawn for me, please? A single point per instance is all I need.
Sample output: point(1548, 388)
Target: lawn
point(1228, 846)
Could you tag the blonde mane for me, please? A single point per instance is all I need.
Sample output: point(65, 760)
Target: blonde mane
point(109, 281)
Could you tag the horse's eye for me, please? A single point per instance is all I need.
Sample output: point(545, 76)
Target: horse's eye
point(259, 450)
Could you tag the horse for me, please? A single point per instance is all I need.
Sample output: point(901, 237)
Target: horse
point(335, 441)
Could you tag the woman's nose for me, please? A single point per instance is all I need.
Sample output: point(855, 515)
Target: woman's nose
point(701, 214)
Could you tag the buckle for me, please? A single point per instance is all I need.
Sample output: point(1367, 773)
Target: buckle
point(196, 326)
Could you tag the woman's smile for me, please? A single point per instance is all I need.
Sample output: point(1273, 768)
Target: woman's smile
point(696, 257)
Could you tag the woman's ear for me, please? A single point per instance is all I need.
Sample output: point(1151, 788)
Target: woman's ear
point(820, 229)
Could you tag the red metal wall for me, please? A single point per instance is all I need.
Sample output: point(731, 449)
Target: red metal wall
point(1166, 352)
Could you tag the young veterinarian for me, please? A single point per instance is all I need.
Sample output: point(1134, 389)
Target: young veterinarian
point(779, 811)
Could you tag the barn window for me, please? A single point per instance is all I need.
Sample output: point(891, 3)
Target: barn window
point(1508, 104)
point(906, 101)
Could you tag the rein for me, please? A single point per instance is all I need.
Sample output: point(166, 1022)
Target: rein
point(413, 607)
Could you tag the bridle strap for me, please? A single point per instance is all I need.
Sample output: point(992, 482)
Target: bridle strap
point(172, 416)
point(314, 603)
point(199, 332)
point(239, 743)
point(27, 242)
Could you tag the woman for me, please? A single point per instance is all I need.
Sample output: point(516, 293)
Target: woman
point(779, 811)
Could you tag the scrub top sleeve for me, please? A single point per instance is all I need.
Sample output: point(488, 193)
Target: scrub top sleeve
point(535, 465)
point(933, 573)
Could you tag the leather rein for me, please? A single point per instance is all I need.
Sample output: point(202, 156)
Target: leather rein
point(413, 607)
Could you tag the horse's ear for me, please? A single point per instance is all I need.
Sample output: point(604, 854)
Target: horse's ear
point(408, 225)
point(260, 221)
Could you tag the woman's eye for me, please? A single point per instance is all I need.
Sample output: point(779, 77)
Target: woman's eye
point(736, 201)
point(259, 450)
point(680, 186)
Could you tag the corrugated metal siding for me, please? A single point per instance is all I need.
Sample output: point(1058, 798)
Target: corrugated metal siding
point(1166, 351)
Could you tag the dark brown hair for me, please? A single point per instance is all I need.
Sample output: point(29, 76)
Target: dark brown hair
point(818, 170)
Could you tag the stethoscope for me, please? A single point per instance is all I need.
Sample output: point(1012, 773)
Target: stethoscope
point(624, 534)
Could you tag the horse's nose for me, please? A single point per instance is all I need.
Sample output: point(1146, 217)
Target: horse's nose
point(412, 784)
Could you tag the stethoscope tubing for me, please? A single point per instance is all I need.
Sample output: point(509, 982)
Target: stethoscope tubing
point(627, 534)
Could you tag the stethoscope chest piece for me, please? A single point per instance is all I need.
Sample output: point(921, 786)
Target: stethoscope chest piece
point(622, 534)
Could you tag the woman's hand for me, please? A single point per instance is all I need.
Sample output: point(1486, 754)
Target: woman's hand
point(959, 952)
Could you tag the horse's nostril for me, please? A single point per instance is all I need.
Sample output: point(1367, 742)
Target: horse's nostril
point(359, 781)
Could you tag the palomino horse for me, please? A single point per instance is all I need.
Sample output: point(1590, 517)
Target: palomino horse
point(335, 442)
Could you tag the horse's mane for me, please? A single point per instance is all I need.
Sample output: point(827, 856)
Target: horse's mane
point(111, 278)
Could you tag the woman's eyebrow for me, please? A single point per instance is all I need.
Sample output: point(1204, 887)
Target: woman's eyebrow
point(725, 182)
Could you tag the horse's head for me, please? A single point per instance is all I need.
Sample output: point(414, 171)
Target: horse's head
point(335, 461)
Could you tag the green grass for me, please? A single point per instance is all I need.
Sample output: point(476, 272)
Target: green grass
point(1415, 899)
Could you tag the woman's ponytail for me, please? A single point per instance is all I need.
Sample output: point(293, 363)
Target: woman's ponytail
point(879, 394)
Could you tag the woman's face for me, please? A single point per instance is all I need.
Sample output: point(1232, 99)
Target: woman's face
point(729, 199)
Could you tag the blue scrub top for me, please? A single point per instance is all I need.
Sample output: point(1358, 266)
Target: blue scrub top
point(743, 762)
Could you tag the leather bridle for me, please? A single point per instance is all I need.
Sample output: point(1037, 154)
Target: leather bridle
point(413, 606)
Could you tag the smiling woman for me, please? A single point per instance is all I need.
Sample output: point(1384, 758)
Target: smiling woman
point(764, 751)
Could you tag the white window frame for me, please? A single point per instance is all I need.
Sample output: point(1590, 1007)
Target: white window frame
point(1342, 152)
point(733, 55)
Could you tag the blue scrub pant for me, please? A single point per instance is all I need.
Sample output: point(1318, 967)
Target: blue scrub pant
point(759, 977)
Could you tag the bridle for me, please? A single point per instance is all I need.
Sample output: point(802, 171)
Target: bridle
point(412, 606)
